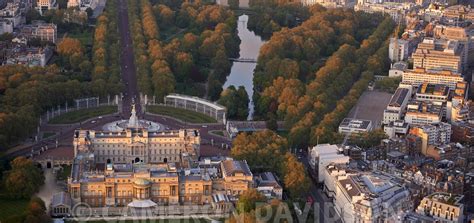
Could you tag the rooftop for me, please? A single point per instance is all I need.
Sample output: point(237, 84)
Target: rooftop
point(398, 97)
point(433, 89)
point(231, 167)
point(355, 123)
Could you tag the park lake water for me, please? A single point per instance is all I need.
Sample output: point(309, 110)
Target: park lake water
point(241, 73)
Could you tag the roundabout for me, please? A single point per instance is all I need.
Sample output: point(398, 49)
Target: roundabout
point(133, 122)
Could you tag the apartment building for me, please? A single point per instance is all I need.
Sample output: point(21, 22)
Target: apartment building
point(442, 207)
point(434, 134)
point(40, 30)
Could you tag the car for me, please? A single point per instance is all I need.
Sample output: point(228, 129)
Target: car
point(204, 126)
point(93, 121)
point(100, 117)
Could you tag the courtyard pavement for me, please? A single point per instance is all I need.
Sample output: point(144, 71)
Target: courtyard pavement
point(49, 188)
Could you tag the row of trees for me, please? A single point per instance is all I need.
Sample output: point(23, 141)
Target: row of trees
point(106, 51)
point(299, 52)
point(297, 95)
point(373, 46)
point(188, 46)
point(26, 93)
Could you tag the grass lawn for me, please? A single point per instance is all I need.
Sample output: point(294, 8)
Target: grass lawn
point(283, 133)
point(218, 132)
point(85, 37)
point(48, 134)
point(64, 173)
point(11, 207)
point(84, 114)
point(182, 114)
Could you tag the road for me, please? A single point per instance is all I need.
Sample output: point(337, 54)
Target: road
point(127, 59)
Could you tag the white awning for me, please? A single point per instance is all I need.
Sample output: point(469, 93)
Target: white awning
point(142, 204)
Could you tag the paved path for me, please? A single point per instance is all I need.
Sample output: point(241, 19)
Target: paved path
point(49, 188)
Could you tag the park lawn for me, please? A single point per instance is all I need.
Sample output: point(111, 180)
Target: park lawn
point(83, 114)
point(10, 207)
point(84, 37)
point(48, 134)
point(181, 114)
point(218, 132)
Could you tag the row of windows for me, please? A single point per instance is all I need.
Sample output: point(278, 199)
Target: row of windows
point(138, 152)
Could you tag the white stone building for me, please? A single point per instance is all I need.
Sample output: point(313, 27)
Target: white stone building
point(324, 154)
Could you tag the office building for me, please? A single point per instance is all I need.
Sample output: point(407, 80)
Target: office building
point(349, 126)
point(438, 54)
point(420, 112)
point(418, 76)
point(432, 93)
point(397, 69)
point(398, 50)
point(324, 154)
point(396, 129)
point(368, 196)
point(397, 104)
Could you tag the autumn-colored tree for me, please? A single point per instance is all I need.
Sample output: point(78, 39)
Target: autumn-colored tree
point(295, 178)
point(248, 200)
point(257, 147)
point(24, 179)
point(69, 46)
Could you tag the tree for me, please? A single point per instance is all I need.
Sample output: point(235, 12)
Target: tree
point(236, 102)
point(257, 147)
point(31, 15)
point(24, 179)
point(36, 211)
point(248, 200)
point(295, 179)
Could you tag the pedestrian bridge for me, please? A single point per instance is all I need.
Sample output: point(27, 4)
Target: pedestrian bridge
point(243, 60)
